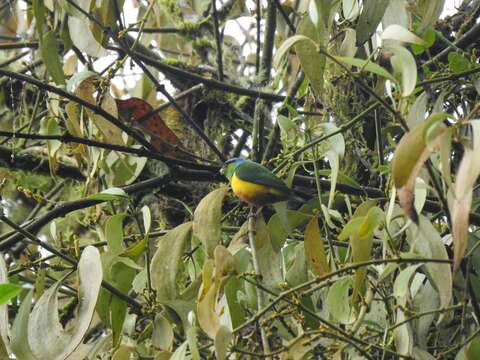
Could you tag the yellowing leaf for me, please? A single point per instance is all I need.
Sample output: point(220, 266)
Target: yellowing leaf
point(135, 250)
point(208, 318)
point(315, 249)
point(372, 220)
point(206, 220)
point(410, 155)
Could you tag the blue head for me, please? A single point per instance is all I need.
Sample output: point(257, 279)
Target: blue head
point(230, 166)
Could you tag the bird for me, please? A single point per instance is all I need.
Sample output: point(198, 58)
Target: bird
point(253, 183)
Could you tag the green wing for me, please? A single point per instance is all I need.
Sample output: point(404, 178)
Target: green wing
point(258, 174)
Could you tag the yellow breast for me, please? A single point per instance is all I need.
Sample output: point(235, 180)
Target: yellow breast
point(256, 194)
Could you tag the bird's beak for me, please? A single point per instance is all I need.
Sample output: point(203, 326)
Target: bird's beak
point(222, 170)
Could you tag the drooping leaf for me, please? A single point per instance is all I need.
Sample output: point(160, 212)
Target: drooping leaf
point(206, 220)
point(181, 352)
point(366, 65)
point(399, 33)
point(19, 334)
point(405, 68)
point(51, 57)
point(426, 241)
point(110, 195)
point(351, 9)
point(49, 126)
point(467, 175)
point(429, 11)
point(46, 336)
point(410, 155)
point(286, 45)
point(348, 47)
point(208, 318)
point(312, 62)
point(297, 272)
point(369, 19)
point(222, 342)
point(338, 301)
point(315, 248)
point(81, 34)
point(85, 86)
point(167, 261)
point(396, 13)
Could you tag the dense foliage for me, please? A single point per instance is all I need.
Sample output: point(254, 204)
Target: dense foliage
point(119, 238)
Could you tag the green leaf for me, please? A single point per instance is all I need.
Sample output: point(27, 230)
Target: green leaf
point(374, 218)
point(366, 65)
point(458, 62)
point(351, 9)
point(206, 220)
point(162, 335)
point(268, 255)
point(285, 47)
point(338, 301)
point(401, 287)
point(297, 273)
point(4, 330)
point(429, 38)
point(167, 261)
point(19, 333)
point(8, 291)
point(279, 231)
point(369, 19)
point(181, 352)
point(222, 342)
point(114, 233)
point(49, 126)
point(233, 289)
point(110, 194)
point(51, 57)
point(122, 169)
point(312, 62)
point(46, 335)
point(429, 11)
